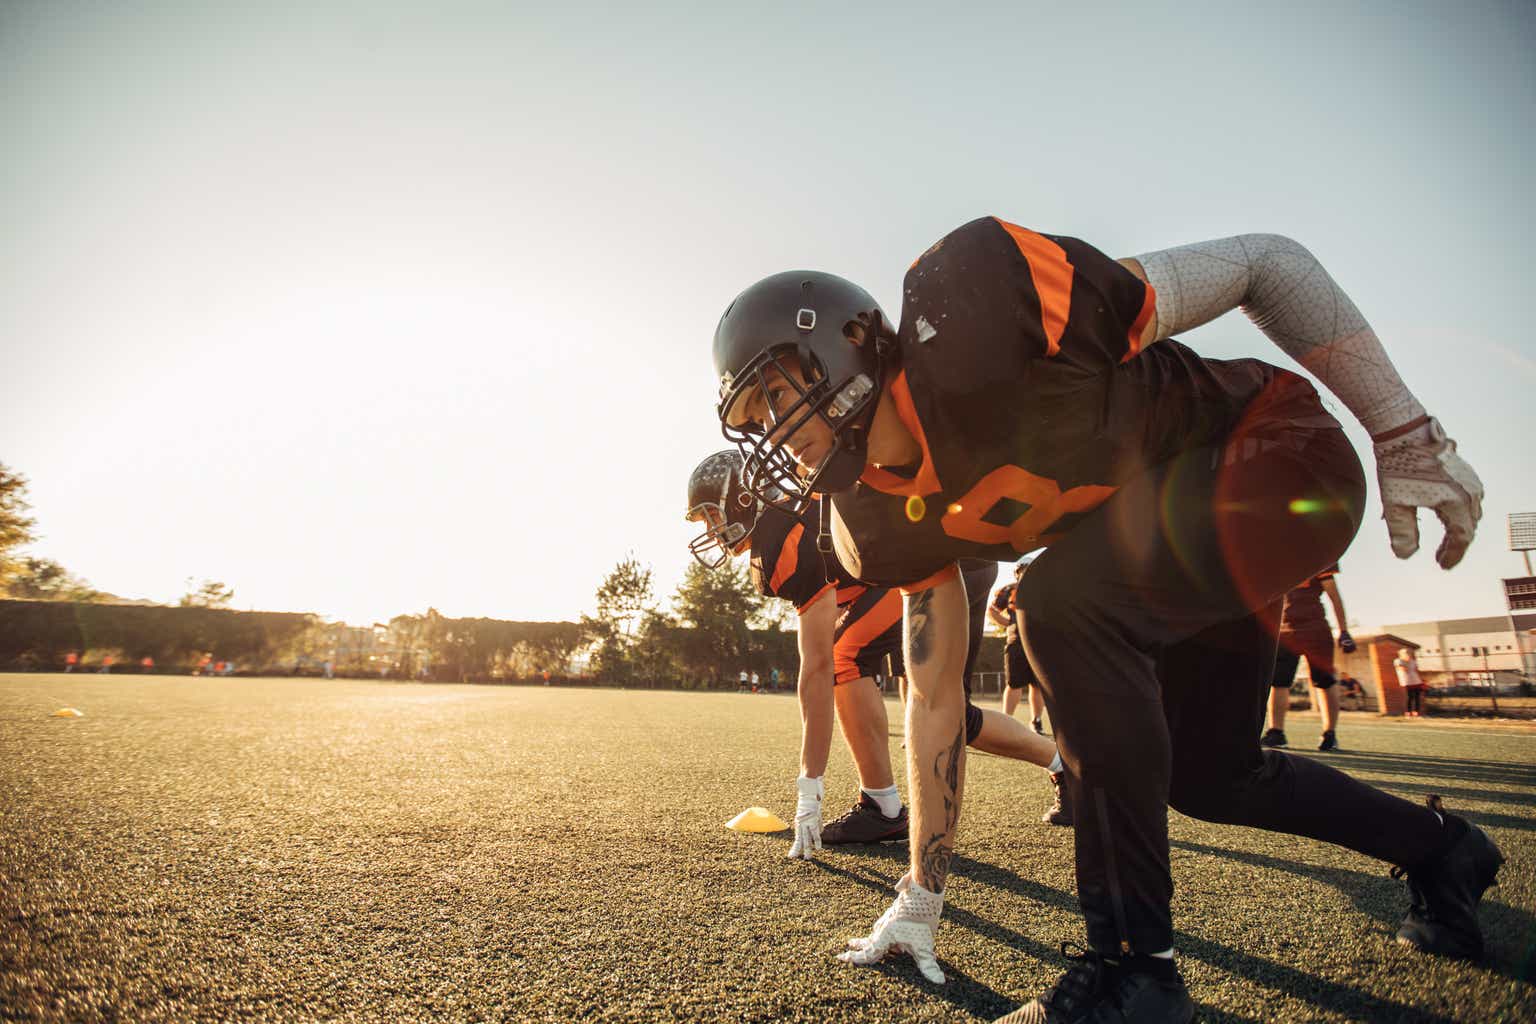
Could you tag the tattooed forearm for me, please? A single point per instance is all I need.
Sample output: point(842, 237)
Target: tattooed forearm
point(947, 767)
point(937, 850)
point(919, 644)
point(933, 862)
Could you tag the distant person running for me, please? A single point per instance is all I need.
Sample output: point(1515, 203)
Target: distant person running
point(1304, 631)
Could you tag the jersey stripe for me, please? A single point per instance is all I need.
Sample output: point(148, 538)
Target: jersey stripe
point(926, 481)
point(1052, 277)
point(884, 614)
point(1133, 336)
point(788, 560)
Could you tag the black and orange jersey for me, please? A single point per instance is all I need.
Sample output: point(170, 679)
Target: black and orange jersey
point(786, 563)
point(1022, 379)
point(1304, 604)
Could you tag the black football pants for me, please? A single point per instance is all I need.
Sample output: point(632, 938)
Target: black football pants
point(1152, 626)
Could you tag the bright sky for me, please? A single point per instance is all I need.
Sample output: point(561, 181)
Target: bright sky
point(366, 307)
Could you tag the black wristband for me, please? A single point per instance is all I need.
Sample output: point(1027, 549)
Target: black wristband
point(1396, 432)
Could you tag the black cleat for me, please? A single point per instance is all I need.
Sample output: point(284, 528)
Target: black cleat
point(1329, 741)
point(1039, 729)
point(1138, 990)
point(1273, 738)
point(1444, 892)
point(863, 823)
point(1060, 812)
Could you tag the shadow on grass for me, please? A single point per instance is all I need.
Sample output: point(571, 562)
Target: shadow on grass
point(1507, 773)
point(966, 993)
point(1453, 794)
point(1510, 932)
point(1320, 992)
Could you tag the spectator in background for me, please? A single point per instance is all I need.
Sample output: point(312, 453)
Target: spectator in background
point(106, 664)
point(147, 665)
point(70, 661)
point(329, 669)
point(1409, 679)
point(202, 665)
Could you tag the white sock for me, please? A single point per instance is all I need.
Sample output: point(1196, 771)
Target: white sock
point(1166, 954)
point(1056, 765)
point(888, 799)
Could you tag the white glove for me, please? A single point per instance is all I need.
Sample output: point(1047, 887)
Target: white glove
point(1422, 470)
point(807, 819)
point(907, 926)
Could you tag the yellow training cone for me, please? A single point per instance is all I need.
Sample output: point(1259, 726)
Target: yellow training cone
point(69, 713)
point(756, 819)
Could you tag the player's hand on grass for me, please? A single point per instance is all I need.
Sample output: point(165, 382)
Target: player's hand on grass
point(1346, 642)
point(807, 818)
point(1421, 469)
point(907, 926)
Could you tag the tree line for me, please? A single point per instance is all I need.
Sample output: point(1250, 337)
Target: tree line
point(716, 626)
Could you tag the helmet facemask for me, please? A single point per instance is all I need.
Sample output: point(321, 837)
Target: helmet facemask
point(845, 407)
point(729, 514)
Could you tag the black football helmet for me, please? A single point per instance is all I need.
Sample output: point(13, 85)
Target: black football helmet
point(728, 510)
point(835, 334)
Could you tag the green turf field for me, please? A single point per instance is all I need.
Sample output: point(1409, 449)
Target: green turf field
point(306, 850)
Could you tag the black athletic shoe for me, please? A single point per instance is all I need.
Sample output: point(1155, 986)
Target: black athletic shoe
point(1443, 894)
point(863, 823)
point(1035, 725)
point(1273, 738)
point(1139, 990)
point(1060, 812)
point(1329, 741)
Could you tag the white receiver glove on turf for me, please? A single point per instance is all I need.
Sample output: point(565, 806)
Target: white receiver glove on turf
point(907, 926)
point(807, 818)
point(1420, 469)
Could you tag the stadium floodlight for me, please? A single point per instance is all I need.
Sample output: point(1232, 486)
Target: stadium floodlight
point(1522, 531)
point(1522, 535)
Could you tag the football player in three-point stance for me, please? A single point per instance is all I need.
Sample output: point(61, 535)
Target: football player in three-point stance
point(1032, 396)
point(847, 630)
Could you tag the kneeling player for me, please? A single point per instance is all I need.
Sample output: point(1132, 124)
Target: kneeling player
point(846, 631)
point(1032, 396)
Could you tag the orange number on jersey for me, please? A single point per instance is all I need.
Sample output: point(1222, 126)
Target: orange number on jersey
point(1045, 498)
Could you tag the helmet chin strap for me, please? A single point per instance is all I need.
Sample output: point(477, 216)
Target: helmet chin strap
point(850, 451)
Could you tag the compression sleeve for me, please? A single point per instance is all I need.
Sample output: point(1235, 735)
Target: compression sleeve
point(1290, 297)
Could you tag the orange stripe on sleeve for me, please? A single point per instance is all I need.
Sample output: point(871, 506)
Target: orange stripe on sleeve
point(1052, 276)
point(1133, 336)
point(789, 559)
point(946, 573)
